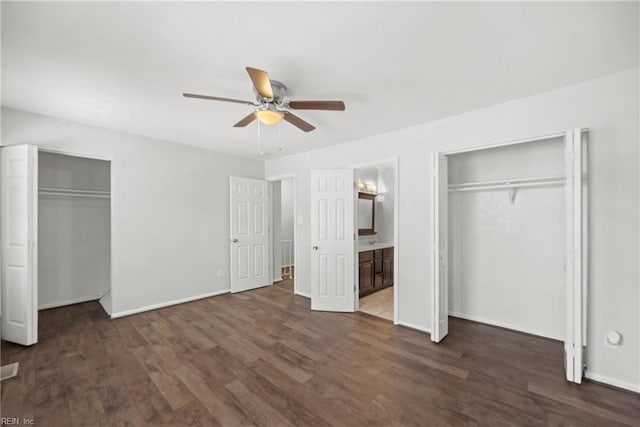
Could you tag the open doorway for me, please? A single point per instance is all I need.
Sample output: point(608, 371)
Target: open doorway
point(282, 191)
point(74, 230)
point(376, 214)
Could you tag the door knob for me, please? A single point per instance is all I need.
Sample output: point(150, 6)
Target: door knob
point(315, 248)
point(235, 240)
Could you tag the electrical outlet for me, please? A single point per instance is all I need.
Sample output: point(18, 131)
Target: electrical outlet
point(220, 274)
point(613, 339)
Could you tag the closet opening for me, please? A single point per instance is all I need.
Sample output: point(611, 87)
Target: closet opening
point(506, 237)
point(510, 241)
point(74, 230)
point(283, 233)
point(376, 224)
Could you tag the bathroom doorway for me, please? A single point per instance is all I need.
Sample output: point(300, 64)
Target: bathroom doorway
point(377, 237)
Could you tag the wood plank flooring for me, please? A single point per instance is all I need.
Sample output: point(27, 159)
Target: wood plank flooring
point(264, 358)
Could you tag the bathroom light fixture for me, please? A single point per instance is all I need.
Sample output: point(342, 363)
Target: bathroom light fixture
point(269, 116)
point(361, 185)
point(371, 188)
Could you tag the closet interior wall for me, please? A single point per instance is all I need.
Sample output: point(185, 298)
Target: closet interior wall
point(507, 242)
point(73, 229)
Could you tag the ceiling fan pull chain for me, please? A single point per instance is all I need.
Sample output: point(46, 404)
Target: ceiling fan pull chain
point(259, 136)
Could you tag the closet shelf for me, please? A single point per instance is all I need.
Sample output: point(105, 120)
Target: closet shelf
point(508, 183)
point(100, 194)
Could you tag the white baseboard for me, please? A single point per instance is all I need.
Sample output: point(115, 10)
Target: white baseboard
point(68, 302)
point(9, 371)
point(414, 326)
point(612, 381)
point(106, 303)
point(302, 294)
point(167, 304)
point(503, 325)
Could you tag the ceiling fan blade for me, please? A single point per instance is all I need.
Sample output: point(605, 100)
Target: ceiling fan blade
point(317, 105)
point(298, 122)
point(217, 98)
point(244, 122)
point(261, 82)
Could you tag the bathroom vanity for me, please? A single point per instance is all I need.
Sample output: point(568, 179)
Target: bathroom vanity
point(375, 267)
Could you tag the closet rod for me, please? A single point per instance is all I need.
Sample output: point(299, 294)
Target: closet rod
point(512, 183)
point(74, 193)
point(73, 190)
point(94, 196)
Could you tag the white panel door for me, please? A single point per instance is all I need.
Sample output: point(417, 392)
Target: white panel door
point(332, 240)
point(249, 234)
point(576, 256)
point(440, 287)
point(19, 194)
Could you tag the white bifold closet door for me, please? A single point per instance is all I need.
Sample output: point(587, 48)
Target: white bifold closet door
point(440, 288)
point(19, 195)
point(576, 254)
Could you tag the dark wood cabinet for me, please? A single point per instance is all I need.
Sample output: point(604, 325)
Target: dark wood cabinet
point(387, 267)
point(366, 277)
point(376, 270)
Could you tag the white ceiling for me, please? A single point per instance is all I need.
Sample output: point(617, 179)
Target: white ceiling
point(124, 65)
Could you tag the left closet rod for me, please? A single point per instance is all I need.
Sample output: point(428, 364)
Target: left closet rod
point(74, 192)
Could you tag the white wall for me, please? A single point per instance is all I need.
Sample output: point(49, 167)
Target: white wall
point(170, 207)
point(608, 107)
point(506, 259)
point(73, 232)
point(286, 215)
point(385, 203)
point(276, 229)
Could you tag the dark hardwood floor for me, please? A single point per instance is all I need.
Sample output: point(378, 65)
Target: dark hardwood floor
point(264, 358)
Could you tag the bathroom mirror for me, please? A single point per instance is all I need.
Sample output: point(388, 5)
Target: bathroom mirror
point(366, 214)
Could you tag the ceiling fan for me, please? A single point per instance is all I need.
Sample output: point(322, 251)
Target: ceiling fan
point(271, 107)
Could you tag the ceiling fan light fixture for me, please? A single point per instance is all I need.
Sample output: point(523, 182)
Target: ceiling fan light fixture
point(268, 116)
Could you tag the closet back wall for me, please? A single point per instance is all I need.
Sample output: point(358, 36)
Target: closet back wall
point(506, 259)
point(73, 232)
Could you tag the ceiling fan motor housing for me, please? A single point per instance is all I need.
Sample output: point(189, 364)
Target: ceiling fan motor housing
point(279, 91)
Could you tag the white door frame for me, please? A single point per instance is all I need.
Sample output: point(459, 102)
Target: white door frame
point(577, 232)
point(271, 180)
point(396, 234)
